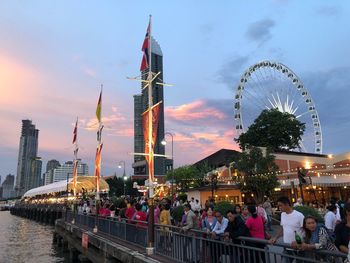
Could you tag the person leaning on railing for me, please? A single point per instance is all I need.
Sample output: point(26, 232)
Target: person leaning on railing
point(235, 228)
point(342, 231)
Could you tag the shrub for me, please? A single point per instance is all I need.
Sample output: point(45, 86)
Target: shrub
point(183, 197)
point(223, 207)
point(310, 211)
point(118, 202)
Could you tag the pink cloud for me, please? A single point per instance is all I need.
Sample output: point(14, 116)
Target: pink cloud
point(196, 110)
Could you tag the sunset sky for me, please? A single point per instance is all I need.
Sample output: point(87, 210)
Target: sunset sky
point(54, 55)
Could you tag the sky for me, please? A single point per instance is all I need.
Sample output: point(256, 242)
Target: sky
point(54, 55)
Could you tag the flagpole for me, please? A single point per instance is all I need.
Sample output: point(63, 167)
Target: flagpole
point(98, 158)
point(75, 166)
point(150, 249)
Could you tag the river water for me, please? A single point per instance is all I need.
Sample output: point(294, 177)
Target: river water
point(23, 240)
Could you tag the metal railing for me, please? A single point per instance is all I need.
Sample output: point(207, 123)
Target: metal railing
point(134, 232)
point(195, 246)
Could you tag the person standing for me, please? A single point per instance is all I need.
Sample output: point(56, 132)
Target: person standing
point(190, 221)
point(209, 221)
point(330, 219)
point(268, 209)
point(255, 224)
point(342, 231)
point(299, 202)
point(291, 222)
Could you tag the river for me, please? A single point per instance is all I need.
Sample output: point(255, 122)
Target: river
point(23, 240)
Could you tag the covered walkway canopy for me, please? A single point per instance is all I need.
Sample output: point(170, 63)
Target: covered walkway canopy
point(323, 181)
point(86, 182)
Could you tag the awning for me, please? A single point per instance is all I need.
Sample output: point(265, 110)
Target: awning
point(323, 181)
point(86, 182)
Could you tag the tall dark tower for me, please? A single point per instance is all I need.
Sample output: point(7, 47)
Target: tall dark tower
point(28, 162)
point(141, 105)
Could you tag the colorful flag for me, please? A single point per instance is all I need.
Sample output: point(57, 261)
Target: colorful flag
point(145, 121)
point(145, 49)
point(98, 166)
point(98, 109)
point(75, 132)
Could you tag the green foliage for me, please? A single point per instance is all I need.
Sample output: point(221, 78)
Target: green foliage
point(186, 176)
point(183, 197)
point(118, 202)
point(310, 211)
point(116, 186)
point(257, 174)
point(273, 129)
point(223, 207)
point(177, 213)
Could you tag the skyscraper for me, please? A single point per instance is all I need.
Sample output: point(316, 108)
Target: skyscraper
point(48, 175)
point(141, 105)
point(7, 186)
point(27, 158)
point(66, 170)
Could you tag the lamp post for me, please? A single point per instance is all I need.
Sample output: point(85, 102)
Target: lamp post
point(172, 160)
point(124, 175)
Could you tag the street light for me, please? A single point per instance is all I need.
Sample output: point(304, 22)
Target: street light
point(172, 160)
point(124, 175)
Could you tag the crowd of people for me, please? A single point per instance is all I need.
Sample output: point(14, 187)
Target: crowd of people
point(302, 232)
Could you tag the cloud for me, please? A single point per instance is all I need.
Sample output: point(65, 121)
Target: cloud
point(193, 113)
point(328, 11)
point(232, 69)
point(330, 92)
point(260, 31)
point(201, 128)
point(89, 71)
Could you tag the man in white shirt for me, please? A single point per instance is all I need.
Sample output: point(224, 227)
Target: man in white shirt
point(330, 219)
point(291, 222)
point(220, 226)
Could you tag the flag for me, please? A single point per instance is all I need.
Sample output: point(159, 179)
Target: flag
point(98, 108)
point(145, 48)
point(75, 132)
point(98, 166)
point(145, 122)
point(75, 176)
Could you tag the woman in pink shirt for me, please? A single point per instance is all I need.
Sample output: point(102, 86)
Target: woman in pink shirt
point(255, 224)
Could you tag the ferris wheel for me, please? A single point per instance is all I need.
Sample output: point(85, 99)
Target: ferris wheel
point(268, 85)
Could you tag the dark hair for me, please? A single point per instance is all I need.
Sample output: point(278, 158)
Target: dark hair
point(252, 210)
point(167, 207)
point(188, 206)
point(236, 208)
point(331, 208)
point(307, 231)
point(138, 207)
point(231, 211)
point(284, 200)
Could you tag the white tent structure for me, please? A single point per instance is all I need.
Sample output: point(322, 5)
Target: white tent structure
point(86, 182)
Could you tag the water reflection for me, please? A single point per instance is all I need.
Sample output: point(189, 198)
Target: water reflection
point(23, 240)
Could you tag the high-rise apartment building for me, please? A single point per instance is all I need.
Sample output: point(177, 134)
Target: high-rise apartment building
point(28, 162)
point(66, 170)
point(8, 187)
point(141, 105)
point(48, 175)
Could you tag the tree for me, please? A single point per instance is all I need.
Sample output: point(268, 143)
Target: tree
point(273, 129)
point(257, 173)
point(116, 186)
point(186, 176)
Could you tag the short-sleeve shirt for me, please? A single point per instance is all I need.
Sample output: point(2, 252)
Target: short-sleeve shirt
point(256, 227)
point(291, 222)
point(329, 220)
